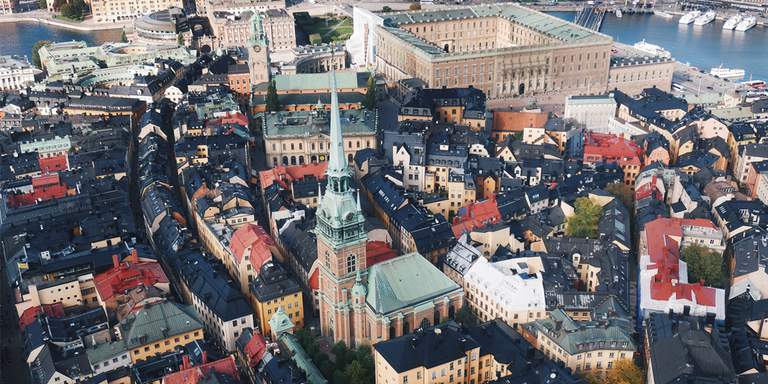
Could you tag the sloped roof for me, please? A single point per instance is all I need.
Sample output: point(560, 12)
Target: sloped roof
point(404, 281)
point(148, 325)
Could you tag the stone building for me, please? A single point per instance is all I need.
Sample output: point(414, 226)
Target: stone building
point(234, 29)
point(361, 304)
point(506, 51)
point(113, 11)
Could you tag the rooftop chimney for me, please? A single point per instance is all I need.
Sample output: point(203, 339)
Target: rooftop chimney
point(134, 257)
point(115, 261)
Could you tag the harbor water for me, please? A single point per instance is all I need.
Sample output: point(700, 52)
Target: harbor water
point(704, 46)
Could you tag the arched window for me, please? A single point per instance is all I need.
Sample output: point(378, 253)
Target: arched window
point(285, 160)
point(351, 263)
point(293, 160)
point(424, 323)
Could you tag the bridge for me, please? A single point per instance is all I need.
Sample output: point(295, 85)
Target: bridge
point(590, 17)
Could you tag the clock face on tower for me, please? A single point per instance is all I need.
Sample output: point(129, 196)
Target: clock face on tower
point(257, 48)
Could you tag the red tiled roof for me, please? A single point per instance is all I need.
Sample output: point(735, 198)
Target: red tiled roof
point(476, 215)
point(377, 252)
point(506, 121)
point(128, 275)
point(44, 188)
point(256, 241)
point(30, 314)
point(610, 148)
point(53, 163)
point(195, 374)
point(664, 252)
point(255, 349)
point(285, 175)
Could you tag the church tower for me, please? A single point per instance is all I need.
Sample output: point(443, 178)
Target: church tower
point(341, 240)
point(258, 54)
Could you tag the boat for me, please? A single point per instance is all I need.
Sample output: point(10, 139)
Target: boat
point(727, 73)
point(652, 49)
point(689, 17)
point(663, 14)
point(732, 22)
point(746, 24)
point(754, 84)
point(618, 13)
point(706, 18)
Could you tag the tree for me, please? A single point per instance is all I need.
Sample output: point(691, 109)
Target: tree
point(583, 222)
point(623, 192)
point(369, 101)
point(123, 37)
point(414, 7)
point(703, 264)
point(273, 102)
point(315, 39)
point(625, 372)
point(355, 373)
point(42, 4)
point(180, 39)
point(36, 54)
point(386, 8)
point(466, 317)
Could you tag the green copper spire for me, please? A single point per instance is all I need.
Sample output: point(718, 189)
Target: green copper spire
point(340, 219)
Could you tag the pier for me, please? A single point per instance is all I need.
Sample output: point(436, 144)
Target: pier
point(590, 17)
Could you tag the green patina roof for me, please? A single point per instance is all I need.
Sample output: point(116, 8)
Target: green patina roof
point(280, 322)
point(405, 281)
point(576, 337)
point(310, 123)
point(302, 359)
point(158, 321)
point(101, 352)
point(564, 31)
point(315, 81)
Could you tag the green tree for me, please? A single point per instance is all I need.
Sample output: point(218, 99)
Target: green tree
point(123, 37)
point(355, 373)
point(42, 4)
point(466, 317)
point(703, 264)
point(369, 101)
point(315, 39)
point(625, 372)
point(583, 222)
point(273, 102)
point(414, 7)
point(180, 39)
point(36, 52)
point(386, 8)
point(623, 192)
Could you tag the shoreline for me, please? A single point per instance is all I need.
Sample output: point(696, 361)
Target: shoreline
point(60, 23)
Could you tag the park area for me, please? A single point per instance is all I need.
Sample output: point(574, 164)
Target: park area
point(325, 29)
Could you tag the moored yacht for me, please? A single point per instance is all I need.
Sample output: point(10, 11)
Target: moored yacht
point(689, 17)
point(706, 18)
point(652, 49)
point(732, 22)
point(746, 24)
point(663, 14)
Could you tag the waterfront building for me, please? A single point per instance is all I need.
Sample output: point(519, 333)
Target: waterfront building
point(632, 74)
point(75, 59)
point(114, 11)
point(361, 304)
point(505, 51)
point(16, 72)
point(161, 27)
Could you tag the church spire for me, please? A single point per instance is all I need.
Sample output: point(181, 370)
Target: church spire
point(337, 165)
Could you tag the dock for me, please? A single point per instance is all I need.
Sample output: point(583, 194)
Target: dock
point(590, 17)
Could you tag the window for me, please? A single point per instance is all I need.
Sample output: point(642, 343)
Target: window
point(405, 379)
point(351, 263)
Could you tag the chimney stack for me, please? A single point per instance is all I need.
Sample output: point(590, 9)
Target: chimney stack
point(115, 261)
point(185, 362)
point(205, 357)
point(134, 258)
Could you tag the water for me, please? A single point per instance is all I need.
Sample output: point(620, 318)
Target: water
point(18, 38)
point(704, 46)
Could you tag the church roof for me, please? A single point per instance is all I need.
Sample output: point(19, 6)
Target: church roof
point(405, 281)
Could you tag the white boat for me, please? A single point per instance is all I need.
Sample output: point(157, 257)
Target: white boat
point(746, 24)
point(618, 13)
point(754, 84)
point(652, 49)
point(706, 18)
point(663, 14)
point(732, 22)
point(727, 73)
point(689, 17)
